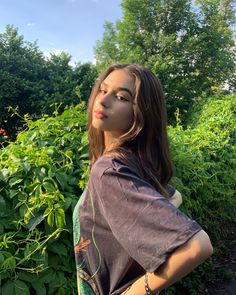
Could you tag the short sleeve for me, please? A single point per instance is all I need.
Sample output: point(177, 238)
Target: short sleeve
point(144, 222)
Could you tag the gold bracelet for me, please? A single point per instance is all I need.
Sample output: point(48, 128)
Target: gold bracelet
point(146, 286)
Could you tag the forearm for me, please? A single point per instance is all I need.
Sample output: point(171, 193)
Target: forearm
point(179, 264)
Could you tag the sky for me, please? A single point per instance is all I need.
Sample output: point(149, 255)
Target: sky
point(72, 26)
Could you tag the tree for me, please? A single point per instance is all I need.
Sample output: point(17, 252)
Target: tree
point(59, 83)
point(22, 68)
point(85, 76)
point(107, 51)
point(35, 85)
point(189, 47)
point(216, 45)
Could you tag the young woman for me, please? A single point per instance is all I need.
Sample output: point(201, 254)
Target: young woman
point(129, 237)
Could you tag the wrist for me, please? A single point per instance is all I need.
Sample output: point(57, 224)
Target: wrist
point(146, 286)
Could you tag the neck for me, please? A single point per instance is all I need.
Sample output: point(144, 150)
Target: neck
point(110, 141)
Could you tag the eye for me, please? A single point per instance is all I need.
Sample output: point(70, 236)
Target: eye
point(121, 98)
point(102, 91)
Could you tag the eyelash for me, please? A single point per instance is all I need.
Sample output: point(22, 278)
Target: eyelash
point(102, 91)
point(119, 97)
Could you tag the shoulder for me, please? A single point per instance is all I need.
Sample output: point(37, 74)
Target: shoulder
point(111, 164)
point(100, 166)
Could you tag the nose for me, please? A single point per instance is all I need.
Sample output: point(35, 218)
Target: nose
point(105, 99)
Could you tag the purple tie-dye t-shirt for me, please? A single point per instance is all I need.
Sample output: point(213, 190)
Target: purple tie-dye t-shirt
point(123, 228)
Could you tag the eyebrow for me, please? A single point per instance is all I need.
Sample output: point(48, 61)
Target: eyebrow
point(119, 88)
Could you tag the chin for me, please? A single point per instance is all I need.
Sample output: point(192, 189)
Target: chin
point(97, 127)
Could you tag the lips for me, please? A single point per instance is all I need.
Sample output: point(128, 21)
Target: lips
point(99, 114)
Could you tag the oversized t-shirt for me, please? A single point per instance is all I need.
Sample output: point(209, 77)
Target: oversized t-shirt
point(123, 228)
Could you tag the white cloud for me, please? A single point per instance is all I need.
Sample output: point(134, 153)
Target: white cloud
point(30, 24)
point(72, 63)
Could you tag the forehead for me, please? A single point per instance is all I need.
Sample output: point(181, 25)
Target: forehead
point(120, 79)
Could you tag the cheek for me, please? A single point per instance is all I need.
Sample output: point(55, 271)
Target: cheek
point(129, 118)
point(94, 104)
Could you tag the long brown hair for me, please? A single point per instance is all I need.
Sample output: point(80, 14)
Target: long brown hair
point(147, 138)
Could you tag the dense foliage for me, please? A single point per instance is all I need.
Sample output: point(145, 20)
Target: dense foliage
point(188, 44)
point(205, 171)
point(40, 179)
point(43, 174)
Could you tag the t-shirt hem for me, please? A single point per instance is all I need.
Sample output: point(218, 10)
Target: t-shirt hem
point(153, 268)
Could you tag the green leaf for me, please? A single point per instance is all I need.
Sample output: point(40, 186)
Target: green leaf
point(21, 288)
point(2, 206)
point(13, 193)
point(60, 217)
point(50, 219)
point(15, 180)
point(62, 178)
point(1, 257)
point(38, 190)
point(35, 221)
point(3, 177)
point(9, 263)
point(58, 248)
point(59, 280)
point(39, 288)
point(26, 166)
point(67, 203)
point(62, 291)
point(22, 210)
point(47, 276)
point(31, 136)
point(49, 186)
point(8, 288)
point(27, 277)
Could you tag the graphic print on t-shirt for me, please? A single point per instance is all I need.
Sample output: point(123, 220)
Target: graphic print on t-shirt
point(85, 283)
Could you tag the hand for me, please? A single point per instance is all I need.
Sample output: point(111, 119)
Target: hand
point(176, 199)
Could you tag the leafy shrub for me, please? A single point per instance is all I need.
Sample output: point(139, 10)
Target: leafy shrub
point(43, 174)
point(40, 181)
point(205, 162)
point(205, 172)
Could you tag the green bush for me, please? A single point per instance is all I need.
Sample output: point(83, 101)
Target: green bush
point(205, 164)
point(205, 172)
point(44, 172)
point(41, 180)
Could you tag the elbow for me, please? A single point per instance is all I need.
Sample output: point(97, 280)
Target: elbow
point(209, 248)
point(205, 249)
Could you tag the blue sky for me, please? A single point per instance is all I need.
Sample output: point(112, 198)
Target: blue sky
point(73, 26)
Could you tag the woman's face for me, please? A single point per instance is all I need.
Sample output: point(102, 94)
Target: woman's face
point(113, 106)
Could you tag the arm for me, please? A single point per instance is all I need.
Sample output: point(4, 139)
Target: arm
point(181, 262)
